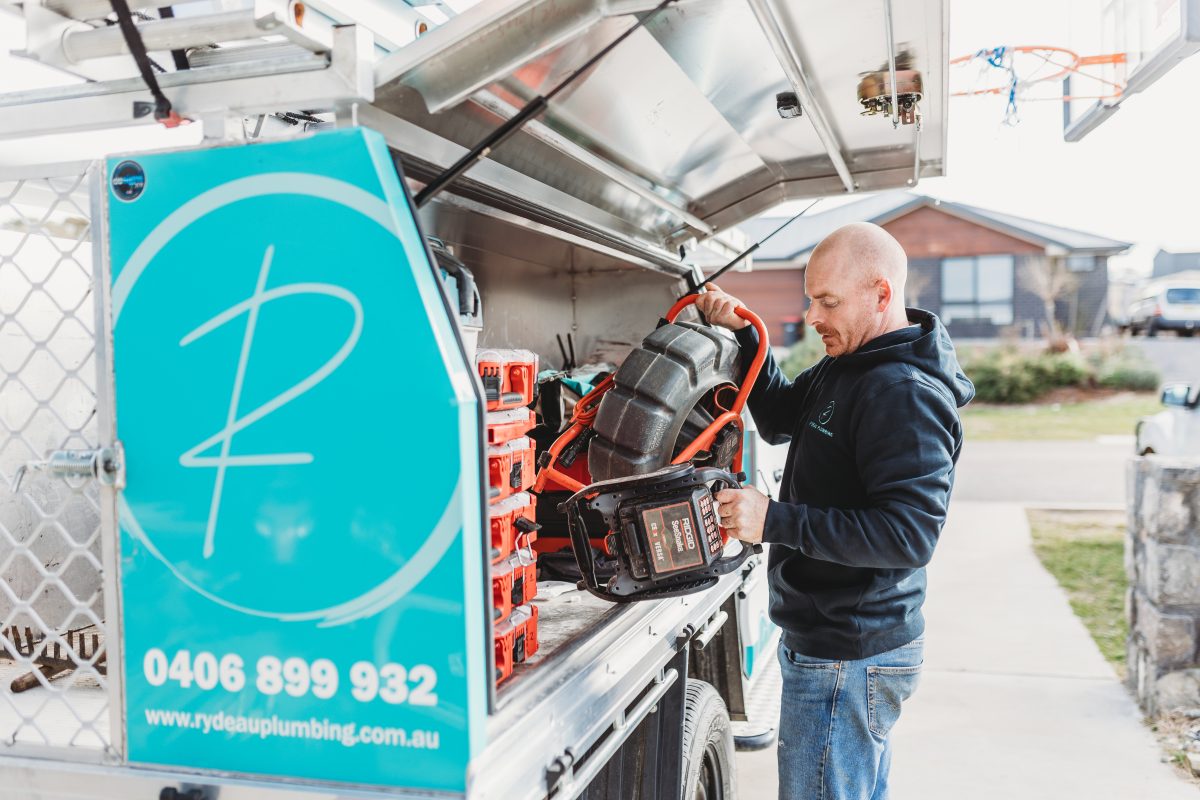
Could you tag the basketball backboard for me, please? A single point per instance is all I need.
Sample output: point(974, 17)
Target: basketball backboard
point(1154, 35)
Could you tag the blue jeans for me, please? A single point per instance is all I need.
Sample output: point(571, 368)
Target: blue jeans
point(835, 719)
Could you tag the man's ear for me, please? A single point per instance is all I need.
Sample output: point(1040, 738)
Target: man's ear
point(883, 294)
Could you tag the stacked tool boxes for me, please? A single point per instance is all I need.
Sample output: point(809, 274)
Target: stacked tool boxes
point(509, 377)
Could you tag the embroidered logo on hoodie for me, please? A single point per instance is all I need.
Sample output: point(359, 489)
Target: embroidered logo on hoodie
point(823, 419)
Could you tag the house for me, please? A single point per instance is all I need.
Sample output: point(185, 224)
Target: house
point(970, 266)
point(1168, 264)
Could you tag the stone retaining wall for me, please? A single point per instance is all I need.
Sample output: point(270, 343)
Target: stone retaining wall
point(1162, 560)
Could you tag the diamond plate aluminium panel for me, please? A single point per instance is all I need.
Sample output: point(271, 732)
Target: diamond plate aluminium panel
point(57, 537)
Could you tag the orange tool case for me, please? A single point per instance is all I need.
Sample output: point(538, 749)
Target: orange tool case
point(504, 426)
point(514, 583)
point(509, 377)
point(515, 640)
point(510, 468)
point(512, 524)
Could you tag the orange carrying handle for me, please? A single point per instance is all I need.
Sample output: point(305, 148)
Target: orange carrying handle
point(585, 409)
point(734, 414)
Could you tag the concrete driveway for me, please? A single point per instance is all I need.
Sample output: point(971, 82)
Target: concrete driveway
point(1015, 699)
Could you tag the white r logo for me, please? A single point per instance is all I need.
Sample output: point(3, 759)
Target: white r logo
point(234, 423)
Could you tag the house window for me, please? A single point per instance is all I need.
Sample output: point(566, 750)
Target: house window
point(1081, 263)
point(978, 288)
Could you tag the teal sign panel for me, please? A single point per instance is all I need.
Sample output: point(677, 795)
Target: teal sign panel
point(301, 545)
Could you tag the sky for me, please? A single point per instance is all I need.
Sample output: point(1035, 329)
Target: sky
point(1132, 179)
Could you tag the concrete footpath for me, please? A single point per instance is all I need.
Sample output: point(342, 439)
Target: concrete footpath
point(1015, 699)
point(1052, 474)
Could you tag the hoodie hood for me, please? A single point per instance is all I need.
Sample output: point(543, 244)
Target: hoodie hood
point(930, 351)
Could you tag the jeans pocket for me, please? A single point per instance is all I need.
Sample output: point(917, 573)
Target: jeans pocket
point(887, 689)
point(790, 656)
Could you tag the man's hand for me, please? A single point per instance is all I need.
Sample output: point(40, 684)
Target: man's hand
point(717, 307)
point(742, 513)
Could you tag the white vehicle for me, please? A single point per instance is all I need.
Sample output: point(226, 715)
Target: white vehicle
point(1176, 431)
point(1163, 306)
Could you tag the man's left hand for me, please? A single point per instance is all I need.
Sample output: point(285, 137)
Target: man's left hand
point(742, 513)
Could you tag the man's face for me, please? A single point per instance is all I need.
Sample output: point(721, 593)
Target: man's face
point(844, 307)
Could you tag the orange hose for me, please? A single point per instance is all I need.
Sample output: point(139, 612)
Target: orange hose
point(582, 418)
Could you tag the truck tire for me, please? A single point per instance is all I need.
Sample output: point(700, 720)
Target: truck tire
point(708, 771)
point(662, 390)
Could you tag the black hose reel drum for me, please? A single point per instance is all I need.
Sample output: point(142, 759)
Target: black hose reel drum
point(660, 522)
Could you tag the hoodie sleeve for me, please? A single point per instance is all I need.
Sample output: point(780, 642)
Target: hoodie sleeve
point(907, 440)
point(774, 400)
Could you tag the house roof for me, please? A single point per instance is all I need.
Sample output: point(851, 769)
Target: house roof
point(802, 236)
point(1167, 263)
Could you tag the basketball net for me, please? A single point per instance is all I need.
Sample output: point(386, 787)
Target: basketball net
point(1016, 73)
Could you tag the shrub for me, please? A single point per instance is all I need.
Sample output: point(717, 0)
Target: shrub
point(802, 355)
point(1003, 376)
point(1058, 371)
point(1129, 374)
point(1119, 366)
point(1008, 375)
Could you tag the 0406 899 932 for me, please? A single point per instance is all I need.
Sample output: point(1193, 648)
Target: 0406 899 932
point(392, 683)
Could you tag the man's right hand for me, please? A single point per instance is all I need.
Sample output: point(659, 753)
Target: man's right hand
point(717, 307)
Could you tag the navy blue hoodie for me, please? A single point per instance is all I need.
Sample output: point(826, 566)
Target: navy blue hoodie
point(874, 439)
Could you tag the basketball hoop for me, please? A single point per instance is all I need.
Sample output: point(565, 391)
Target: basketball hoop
point(1024, 67)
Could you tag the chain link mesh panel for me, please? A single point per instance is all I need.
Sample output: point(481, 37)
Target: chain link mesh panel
point(54, 689)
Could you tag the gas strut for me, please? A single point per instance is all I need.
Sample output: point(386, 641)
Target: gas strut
point(738, 259)
point(533, 108)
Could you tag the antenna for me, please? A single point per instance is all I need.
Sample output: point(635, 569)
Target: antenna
point(712, 278)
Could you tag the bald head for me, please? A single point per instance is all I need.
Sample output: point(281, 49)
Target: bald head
point(855, 280)
point(867, 252)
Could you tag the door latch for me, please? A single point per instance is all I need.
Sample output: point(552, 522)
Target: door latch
point(105, 464)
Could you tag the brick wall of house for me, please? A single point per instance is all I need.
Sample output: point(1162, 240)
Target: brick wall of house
point(773, 294)
point(929, 235)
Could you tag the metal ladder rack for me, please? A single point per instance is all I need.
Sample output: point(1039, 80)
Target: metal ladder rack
point(269, 56)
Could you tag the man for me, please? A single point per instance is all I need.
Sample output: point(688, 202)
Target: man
point(875, 435)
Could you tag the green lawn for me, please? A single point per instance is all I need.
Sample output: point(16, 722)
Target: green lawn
point(1084, 551)
point(1114, 415)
